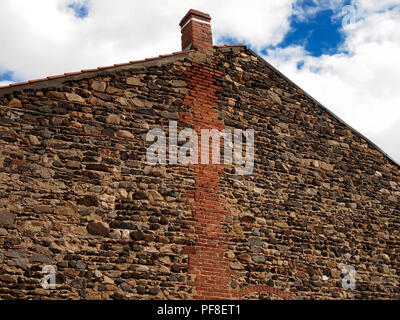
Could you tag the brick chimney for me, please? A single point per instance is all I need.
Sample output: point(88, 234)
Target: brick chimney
point(196, 30)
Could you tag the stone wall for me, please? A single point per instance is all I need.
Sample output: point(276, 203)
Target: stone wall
point(77, 193)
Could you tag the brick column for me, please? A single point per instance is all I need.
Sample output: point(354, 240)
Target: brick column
point(196, 30)
point(207, 263)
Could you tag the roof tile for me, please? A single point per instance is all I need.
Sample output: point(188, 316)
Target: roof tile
point(35, 80)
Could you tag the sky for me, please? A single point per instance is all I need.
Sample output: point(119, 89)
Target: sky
point(344, 53)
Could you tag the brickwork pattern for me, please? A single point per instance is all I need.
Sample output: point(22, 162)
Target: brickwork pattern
point(207, 261)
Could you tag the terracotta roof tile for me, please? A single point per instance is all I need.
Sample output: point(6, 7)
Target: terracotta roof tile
point(153, 58)
point(72, 73)
point(88, 70)
point(122, 64)
point(56, 77)
point(181, 52)
point(15, 84)
point(31, 81)
point(105, 67)
point(230, 45)
point(137, 61)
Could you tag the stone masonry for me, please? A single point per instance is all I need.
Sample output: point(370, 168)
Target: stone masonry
point(77, 193)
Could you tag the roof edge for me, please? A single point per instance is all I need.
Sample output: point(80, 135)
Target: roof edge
point(325, 108)
point(57, 80)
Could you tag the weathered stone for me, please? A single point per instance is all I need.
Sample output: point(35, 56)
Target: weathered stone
point(327, 166)
point(155, 195)
point(8, 278)
point(58, 164)
point(137, 102)
point(98, 274)
point(137, 235)
point(234, 284)
point(33, 140)
point(170, 115)
point(108, 280)
point(65, 211)
point(98, 86)
point(316, 164)
point(97, 167)
point(46, 134)
point(89, 201)
point(81, 265)
point(164, 269)
point(178, 83)
point(73, 165)
point(112, 215)
point(164, 220)
point(236, 266)
point(154, 291)
point(134, 81)
point(139, 195)
point(73, 97)
point(15, 103)
point(91, 130)
point(275, 98)
point(125, 134)
point(38, 257)
point(42, 209)
point(141, 289)
point(255, 241)
point(237, 230)
point(6, 219)
point(113, 119)
point(116, 234)
point(98, 229)
point(15, 254)
point(55, 94)
point(126, 288)
point(175, 268)
point(143, 269)
point(258, 259)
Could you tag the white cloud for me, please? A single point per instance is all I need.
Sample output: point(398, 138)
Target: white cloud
point(375, 5)
point(44, 37)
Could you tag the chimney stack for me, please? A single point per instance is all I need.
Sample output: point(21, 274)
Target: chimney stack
point(196, 30)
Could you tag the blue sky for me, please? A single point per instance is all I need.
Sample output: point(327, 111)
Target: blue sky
point(344, 53)
point(81, 10)
point(319, 34)
point(6, 76)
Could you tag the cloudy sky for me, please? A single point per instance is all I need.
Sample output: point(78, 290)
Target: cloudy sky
point(345, 53)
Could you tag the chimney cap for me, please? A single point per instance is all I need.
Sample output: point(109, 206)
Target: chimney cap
point(195, 14)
